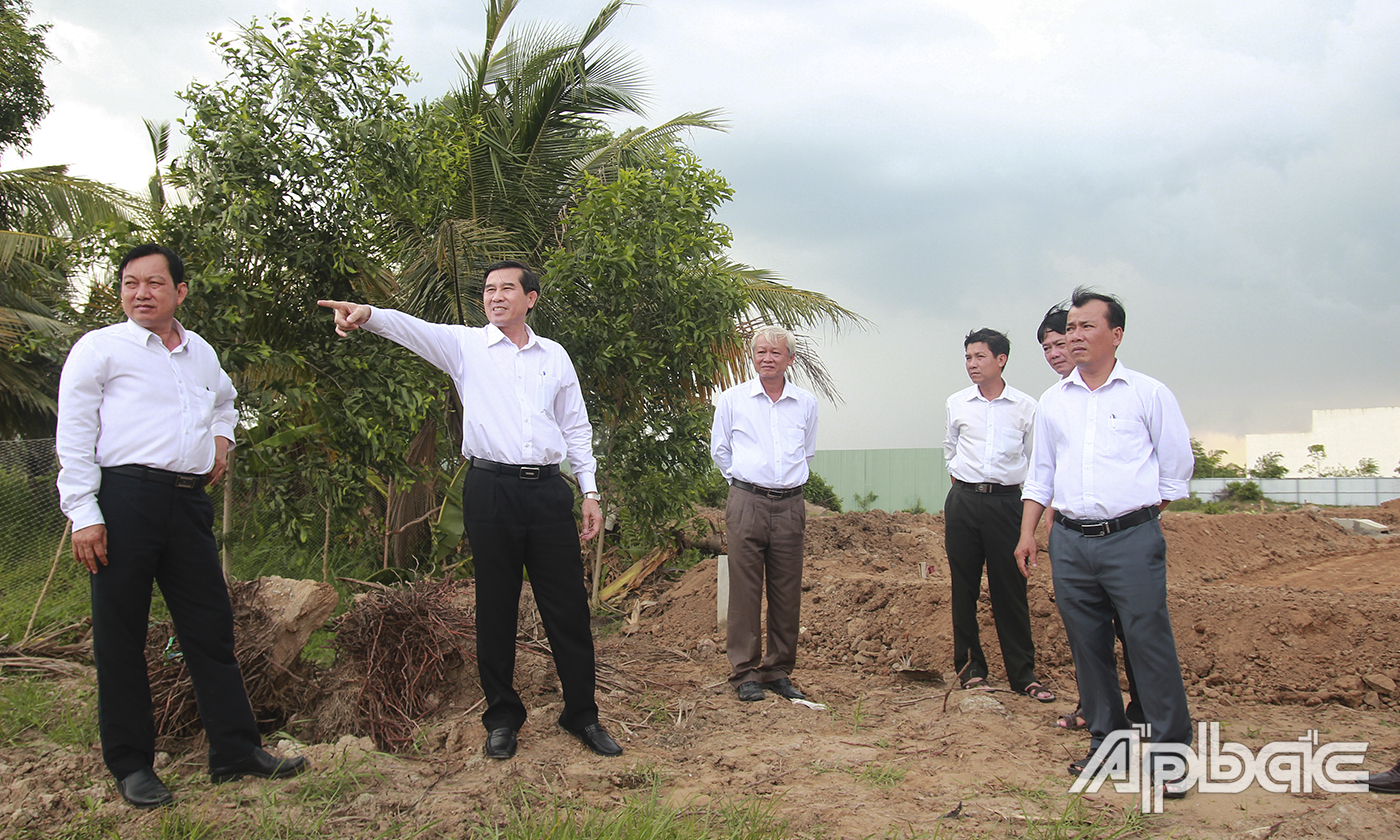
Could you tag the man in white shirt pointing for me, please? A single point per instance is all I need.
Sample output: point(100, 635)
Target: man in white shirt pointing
point(987, 446)
point(763, 438)
point(1111, 450)
point(145, 421)
point(522, 414)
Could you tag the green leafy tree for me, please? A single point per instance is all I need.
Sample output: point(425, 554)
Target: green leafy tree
point(1269, 465)
point(23, 101)
point(1209, 464)
point(525, 127)
point(45, 215)
point(292, 173)
point(641, 267)
point(1368, 466)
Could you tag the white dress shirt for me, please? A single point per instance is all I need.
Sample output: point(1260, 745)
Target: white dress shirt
point(124, 398)
point(761, 441)
point(520, 405)
point(1104, 453)
point(989, 440)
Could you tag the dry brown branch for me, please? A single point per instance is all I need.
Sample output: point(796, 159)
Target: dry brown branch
point(403, 645)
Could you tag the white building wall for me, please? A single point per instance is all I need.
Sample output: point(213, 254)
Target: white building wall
point(1349, 434)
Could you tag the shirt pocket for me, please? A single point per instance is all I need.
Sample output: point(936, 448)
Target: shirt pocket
point(1008, 446)
point(1127, 438)
point(545, 391)
point(203, 408)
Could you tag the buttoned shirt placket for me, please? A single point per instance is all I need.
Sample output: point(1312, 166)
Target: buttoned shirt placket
point(1091, 426)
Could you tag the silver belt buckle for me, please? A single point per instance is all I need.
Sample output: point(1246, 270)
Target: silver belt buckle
point(186, 482)
point(530, 473)
point(1094, 529)
point(983, 488)
point(774, 494)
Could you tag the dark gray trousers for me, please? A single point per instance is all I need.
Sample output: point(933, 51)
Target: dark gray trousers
point(1124, 572)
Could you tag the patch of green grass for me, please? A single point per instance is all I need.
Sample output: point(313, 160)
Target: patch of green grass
point(183, 823)
point(333, 785)
point(1007, 788)
point(1077, 821)
point(857, 715)
point(31, 706)
point(529, 817)
point(881, 775)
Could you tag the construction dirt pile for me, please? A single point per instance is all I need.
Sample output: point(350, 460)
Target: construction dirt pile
point(1285, 623)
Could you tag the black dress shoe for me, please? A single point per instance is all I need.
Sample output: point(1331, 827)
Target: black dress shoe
point(1387, 782)
point(500, 743)
point(783, 687)
point(144, 789)
point(749, 691)
point(596, 738)
point(260, 764)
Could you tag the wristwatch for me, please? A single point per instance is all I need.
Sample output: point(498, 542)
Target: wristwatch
point(594, 495)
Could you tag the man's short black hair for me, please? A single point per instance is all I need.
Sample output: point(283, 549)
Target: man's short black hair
point(1055, 321)
point(1083, 294)
point(529, 280)
point(996, 342)
point(177, 265)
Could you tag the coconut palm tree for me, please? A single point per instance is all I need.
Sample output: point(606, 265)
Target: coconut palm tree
point(42, 210)
point(530, 118)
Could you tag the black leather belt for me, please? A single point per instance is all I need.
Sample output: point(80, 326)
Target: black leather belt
point(1104, 527)
point(764, 491)
point(181, 481)
point(987, 487)
point(528, 472)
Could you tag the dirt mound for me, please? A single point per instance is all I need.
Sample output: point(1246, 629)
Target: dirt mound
point(1285, 623)
point(1254, 599)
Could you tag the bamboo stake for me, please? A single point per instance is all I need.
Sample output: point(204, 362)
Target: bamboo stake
point(43, 593)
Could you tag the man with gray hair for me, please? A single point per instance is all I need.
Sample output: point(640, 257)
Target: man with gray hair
point(763, 438)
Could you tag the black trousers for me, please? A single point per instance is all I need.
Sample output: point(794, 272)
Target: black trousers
point(158, 533)
point(514, 524)
point(982, 529)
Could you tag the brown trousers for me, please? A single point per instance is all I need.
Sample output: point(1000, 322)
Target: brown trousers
point(765, 546)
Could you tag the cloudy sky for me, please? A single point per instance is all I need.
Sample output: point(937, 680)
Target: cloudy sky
point(1230, 170)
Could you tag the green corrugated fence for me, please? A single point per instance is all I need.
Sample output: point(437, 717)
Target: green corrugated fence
point(899, 478)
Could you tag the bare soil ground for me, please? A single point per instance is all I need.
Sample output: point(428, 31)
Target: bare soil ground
point(1278, 617)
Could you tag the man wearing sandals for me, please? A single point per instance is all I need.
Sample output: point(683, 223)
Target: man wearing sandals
point(1051, 335)
point(1111, 449)
point(987, 446)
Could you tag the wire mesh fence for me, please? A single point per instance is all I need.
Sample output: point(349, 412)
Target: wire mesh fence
point(42, 586)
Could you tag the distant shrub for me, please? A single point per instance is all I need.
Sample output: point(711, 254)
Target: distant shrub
point(918, 506)
point(818, 492)
point(865, 502)
point(1191, 502)
point(1244, 491)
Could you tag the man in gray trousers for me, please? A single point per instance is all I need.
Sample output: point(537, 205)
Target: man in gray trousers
point(1111, 450)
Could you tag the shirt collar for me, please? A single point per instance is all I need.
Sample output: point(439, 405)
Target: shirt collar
point(756, 389)
point(974, 394)
point(143, 336)
point(1075, 378)
point(494, 336)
